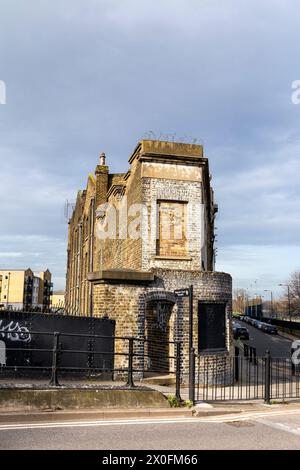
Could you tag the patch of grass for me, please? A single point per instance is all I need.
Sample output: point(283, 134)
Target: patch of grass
point(274, 402)
point(173, 401)
point(188, 403)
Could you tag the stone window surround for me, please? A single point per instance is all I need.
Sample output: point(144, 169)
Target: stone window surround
point(173, 258)
point(169, 190)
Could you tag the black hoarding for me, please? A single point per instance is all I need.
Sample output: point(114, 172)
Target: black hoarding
point(24, 335)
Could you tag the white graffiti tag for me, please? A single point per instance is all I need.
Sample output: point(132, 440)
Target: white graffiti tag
point(14, 332)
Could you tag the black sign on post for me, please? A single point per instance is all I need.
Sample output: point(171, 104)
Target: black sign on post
point(182, 292)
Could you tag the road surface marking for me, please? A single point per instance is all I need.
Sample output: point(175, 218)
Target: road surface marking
point(115, 422)
point(126, 422)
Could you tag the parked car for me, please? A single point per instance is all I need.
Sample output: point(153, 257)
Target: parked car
point(271, 329)
point(240, 332)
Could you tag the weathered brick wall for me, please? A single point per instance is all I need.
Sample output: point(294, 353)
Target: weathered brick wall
point(131, 307)
point(81, 242)
point(208, 286)
point(215, 369)
point(119, 302)
point(124, 252)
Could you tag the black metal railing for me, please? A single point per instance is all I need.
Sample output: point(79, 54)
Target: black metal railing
point(60, 356)
point(246, 377)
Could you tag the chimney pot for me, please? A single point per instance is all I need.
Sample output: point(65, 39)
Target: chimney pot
point(102, 159)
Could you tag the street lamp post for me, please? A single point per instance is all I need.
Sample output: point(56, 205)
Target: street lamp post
point(256, 306)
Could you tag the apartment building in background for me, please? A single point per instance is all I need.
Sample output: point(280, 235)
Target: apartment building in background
point(22, 289)
point(58, 300)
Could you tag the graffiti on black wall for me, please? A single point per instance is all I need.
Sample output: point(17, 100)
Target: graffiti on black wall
point(14, 331)
point(26, 340)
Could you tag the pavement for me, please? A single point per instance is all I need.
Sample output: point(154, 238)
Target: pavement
point(200, 410)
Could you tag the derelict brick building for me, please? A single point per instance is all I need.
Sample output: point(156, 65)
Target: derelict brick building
point(135, 237)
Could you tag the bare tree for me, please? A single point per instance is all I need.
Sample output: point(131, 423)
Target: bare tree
point(293, 292)
point(240, 299)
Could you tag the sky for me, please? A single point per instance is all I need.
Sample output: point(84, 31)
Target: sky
point(86, 76)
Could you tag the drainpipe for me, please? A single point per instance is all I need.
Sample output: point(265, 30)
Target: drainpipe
point(79, 264)
point(91, 267)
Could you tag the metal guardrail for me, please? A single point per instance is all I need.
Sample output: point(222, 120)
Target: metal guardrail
point(129, 351)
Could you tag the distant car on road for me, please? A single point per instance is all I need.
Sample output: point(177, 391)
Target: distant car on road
point(271, 329)
point(240, 332)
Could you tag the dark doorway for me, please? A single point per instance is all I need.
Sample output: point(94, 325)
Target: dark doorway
point(211, 326)
point(158, 332)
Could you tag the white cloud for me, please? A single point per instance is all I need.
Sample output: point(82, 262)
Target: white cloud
point(268, 265)
point(11, 255)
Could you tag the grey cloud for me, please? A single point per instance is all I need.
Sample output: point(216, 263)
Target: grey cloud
point(83, 77)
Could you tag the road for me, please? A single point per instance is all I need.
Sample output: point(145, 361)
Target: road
point(256, 431)
point(277, 344)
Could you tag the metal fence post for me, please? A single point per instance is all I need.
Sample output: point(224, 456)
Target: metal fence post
point(54, 381)
point(192, 376)
point(251, 352)
point(254, 357)
point(178, 370)
point(130, 363)
point(236, 364)
point(246, 350)
point(292, 362)
point(267, 377)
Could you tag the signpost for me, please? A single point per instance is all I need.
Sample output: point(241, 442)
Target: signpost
point(189, 292)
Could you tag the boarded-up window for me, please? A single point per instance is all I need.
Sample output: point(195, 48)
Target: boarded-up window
point(211, 324)
point(172, 222)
